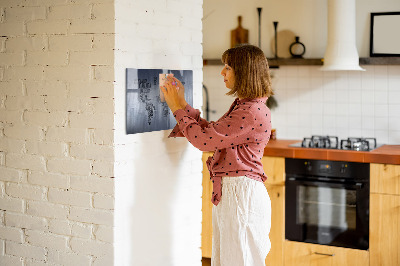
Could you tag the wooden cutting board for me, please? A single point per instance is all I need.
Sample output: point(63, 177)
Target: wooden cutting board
point(239, 35)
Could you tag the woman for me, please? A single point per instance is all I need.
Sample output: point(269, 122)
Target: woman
point(242, 208)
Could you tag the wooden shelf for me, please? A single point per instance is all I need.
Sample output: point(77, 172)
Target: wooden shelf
point(380, 61)
point(274, 63)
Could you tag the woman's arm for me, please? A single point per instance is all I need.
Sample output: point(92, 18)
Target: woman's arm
point(239, 127)
point(193, 113)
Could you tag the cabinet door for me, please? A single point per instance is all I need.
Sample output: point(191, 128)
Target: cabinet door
point(274, 168)
point(385, 178)
point(384, 229)
point(304, 254)
point(206, 226)
point(277, 233)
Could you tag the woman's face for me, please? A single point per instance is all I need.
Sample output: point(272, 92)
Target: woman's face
point(229, 76)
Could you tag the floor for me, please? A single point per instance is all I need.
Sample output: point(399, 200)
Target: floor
point(206, 261)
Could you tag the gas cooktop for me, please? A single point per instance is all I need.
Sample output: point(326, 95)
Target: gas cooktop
point(332, 142)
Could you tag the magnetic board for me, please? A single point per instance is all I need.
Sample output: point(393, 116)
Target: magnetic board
point(145, 110)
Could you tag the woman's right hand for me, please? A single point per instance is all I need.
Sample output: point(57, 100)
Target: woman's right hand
point(181, 91)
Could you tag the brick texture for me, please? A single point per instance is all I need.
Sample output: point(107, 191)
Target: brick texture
point(56, 124)
point(46, 240)
point(25, 250)
point(24, 221)
point(62, 87)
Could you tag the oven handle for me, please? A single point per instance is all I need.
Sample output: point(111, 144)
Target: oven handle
point(357, 185)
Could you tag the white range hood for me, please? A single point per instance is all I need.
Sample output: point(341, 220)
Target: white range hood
point(341, 51)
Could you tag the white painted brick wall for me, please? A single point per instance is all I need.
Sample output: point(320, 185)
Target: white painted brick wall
point(103, 202)
point(56, 132)
point(93, 184)
point(12, 204)
point(9, 174)
point(88, 215)
point(69, 197)
point(91, 247)
point(25, 191)
point(68, 258)
point(47, 210)
point(48, 179)
point(46, 240)
point(25, 250)
point(104, 233)
point(11, 260)
point(25, 221)
point(60, 227)
point(11, 233)
point(59, 125)
point(69, 166)
point(82, 230)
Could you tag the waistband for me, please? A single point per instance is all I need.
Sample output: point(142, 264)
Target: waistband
point(236, 179)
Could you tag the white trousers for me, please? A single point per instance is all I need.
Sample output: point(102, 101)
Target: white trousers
point(241, 223)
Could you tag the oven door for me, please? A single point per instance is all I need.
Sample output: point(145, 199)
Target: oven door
point(327, 213)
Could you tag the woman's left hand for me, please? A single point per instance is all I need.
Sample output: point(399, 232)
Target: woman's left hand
point(170, 91)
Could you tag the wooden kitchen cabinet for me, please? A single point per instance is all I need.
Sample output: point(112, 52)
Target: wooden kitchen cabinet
point(206, 225)
point(385, 178)
point(305, 254)
point(277, 233)
point(384, 237)
point(274, 168)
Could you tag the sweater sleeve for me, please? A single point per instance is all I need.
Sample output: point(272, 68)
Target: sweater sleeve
point(193, 113)
point(229, 131)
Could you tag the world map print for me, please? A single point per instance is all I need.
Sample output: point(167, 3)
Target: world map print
point(146, 110)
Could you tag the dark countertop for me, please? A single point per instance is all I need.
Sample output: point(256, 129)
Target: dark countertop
point(389, 154)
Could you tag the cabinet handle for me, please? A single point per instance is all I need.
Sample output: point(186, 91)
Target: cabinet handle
point(324, 254)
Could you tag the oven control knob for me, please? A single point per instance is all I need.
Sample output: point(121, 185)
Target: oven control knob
point(343, 168)
point(308, 166)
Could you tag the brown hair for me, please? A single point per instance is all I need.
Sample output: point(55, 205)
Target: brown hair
point(250, 66)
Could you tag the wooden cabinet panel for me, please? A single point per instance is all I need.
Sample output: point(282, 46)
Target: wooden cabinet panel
point(385, 178)
point(206, 226)
point(384, 230)
point(304, 254)
point(277, 233)
point(274, 168)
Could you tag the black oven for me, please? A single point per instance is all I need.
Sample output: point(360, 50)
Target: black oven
point(327, 202)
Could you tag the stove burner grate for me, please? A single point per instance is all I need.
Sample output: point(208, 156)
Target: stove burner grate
point(358, 144)
point(332, 142)
point(327, 142)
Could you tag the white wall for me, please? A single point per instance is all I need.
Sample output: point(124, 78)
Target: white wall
point(344, 103)
point(305, 18)
point(56, 132)
point(158, 180)
point(313, 102)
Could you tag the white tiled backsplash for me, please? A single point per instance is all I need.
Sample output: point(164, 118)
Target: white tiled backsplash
point(314, 102)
